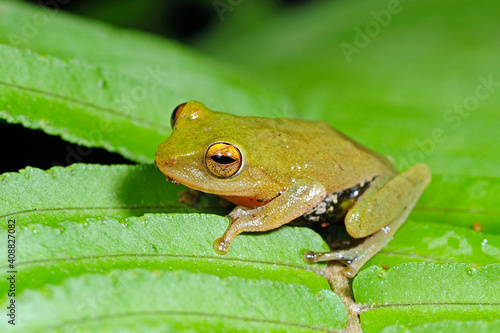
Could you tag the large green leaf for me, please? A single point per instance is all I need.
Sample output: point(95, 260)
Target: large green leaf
point(49, 250)
point(417, 293)
point(162, 301)
point(180, 241)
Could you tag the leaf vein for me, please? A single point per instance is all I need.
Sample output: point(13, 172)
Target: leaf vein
point(107, 110)
point(367, 307)
point(103, 208)
point(201, 314)
point(188, 257)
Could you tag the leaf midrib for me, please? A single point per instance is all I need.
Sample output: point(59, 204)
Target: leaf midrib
point(166, 255)
point(368, 307)
point(186, 313)
point(59, 209)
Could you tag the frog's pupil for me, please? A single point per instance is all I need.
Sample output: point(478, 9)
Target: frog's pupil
point(222, 159)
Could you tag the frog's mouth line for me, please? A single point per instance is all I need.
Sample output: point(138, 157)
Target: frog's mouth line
point(163, 170)
point(204, 190)
point(182, 179)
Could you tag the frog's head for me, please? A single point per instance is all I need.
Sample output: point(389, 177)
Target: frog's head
point(207, 152)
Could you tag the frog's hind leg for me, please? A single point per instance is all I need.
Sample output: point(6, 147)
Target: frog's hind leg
point(378, 214)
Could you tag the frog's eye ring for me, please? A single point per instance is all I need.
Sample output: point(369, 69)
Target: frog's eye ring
point(223, 159)
point(176, 113)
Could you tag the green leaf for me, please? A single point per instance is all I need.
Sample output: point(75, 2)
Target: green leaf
point(82, 103)
point(419, 241)
point(85, 190)
point(49, 82)
point(57, 251)
point(47, 254)
point(461, 200)
point(161, 301)
point(449, 326)
point(416, 293)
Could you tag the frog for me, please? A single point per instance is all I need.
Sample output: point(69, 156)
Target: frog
point(278, 170)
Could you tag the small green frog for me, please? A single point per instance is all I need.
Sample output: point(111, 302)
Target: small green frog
point(277, 170)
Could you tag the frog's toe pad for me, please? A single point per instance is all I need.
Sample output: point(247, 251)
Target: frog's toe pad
point(221, 247)
point(309, 257)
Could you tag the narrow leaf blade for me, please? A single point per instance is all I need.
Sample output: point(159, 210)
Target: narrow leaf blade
point(161, 300)
point(47, 254)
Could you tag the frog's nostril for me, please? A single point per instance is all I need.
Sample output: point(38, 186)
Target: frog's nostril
point(172, 162)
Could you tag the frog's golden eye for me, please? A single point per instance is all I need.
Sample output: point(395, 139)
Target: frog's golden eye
point(223, 159)
point(176, 113)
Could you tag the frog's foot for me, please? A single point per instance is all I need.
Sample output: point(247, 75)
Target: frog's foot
point(221, 245)
point(357, 256)
point(344, 256)
point(387, 200)
point(242, 219)
point(347, 257)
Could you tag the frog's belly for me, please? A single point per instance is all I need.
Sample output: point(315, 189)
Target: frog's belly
point(335, 205)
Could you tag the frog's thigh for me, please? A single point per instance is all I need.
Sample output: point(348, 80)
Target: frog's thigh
point(386, 200)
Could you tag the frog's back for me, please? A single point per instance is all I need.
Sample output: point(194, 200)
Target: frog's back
point(316, 151)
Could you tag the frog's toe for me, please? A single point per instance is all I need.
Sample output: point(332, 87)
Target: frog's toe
point(345, 256)
point(221, 246)
point(309, 257)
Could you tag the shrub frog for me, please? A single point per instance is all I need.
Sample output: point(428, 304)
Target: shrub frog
point(277, 170)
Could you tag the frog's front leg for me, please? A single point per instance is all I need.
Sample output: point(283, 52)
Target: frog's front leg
point(294, 202)
point(378, 213)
